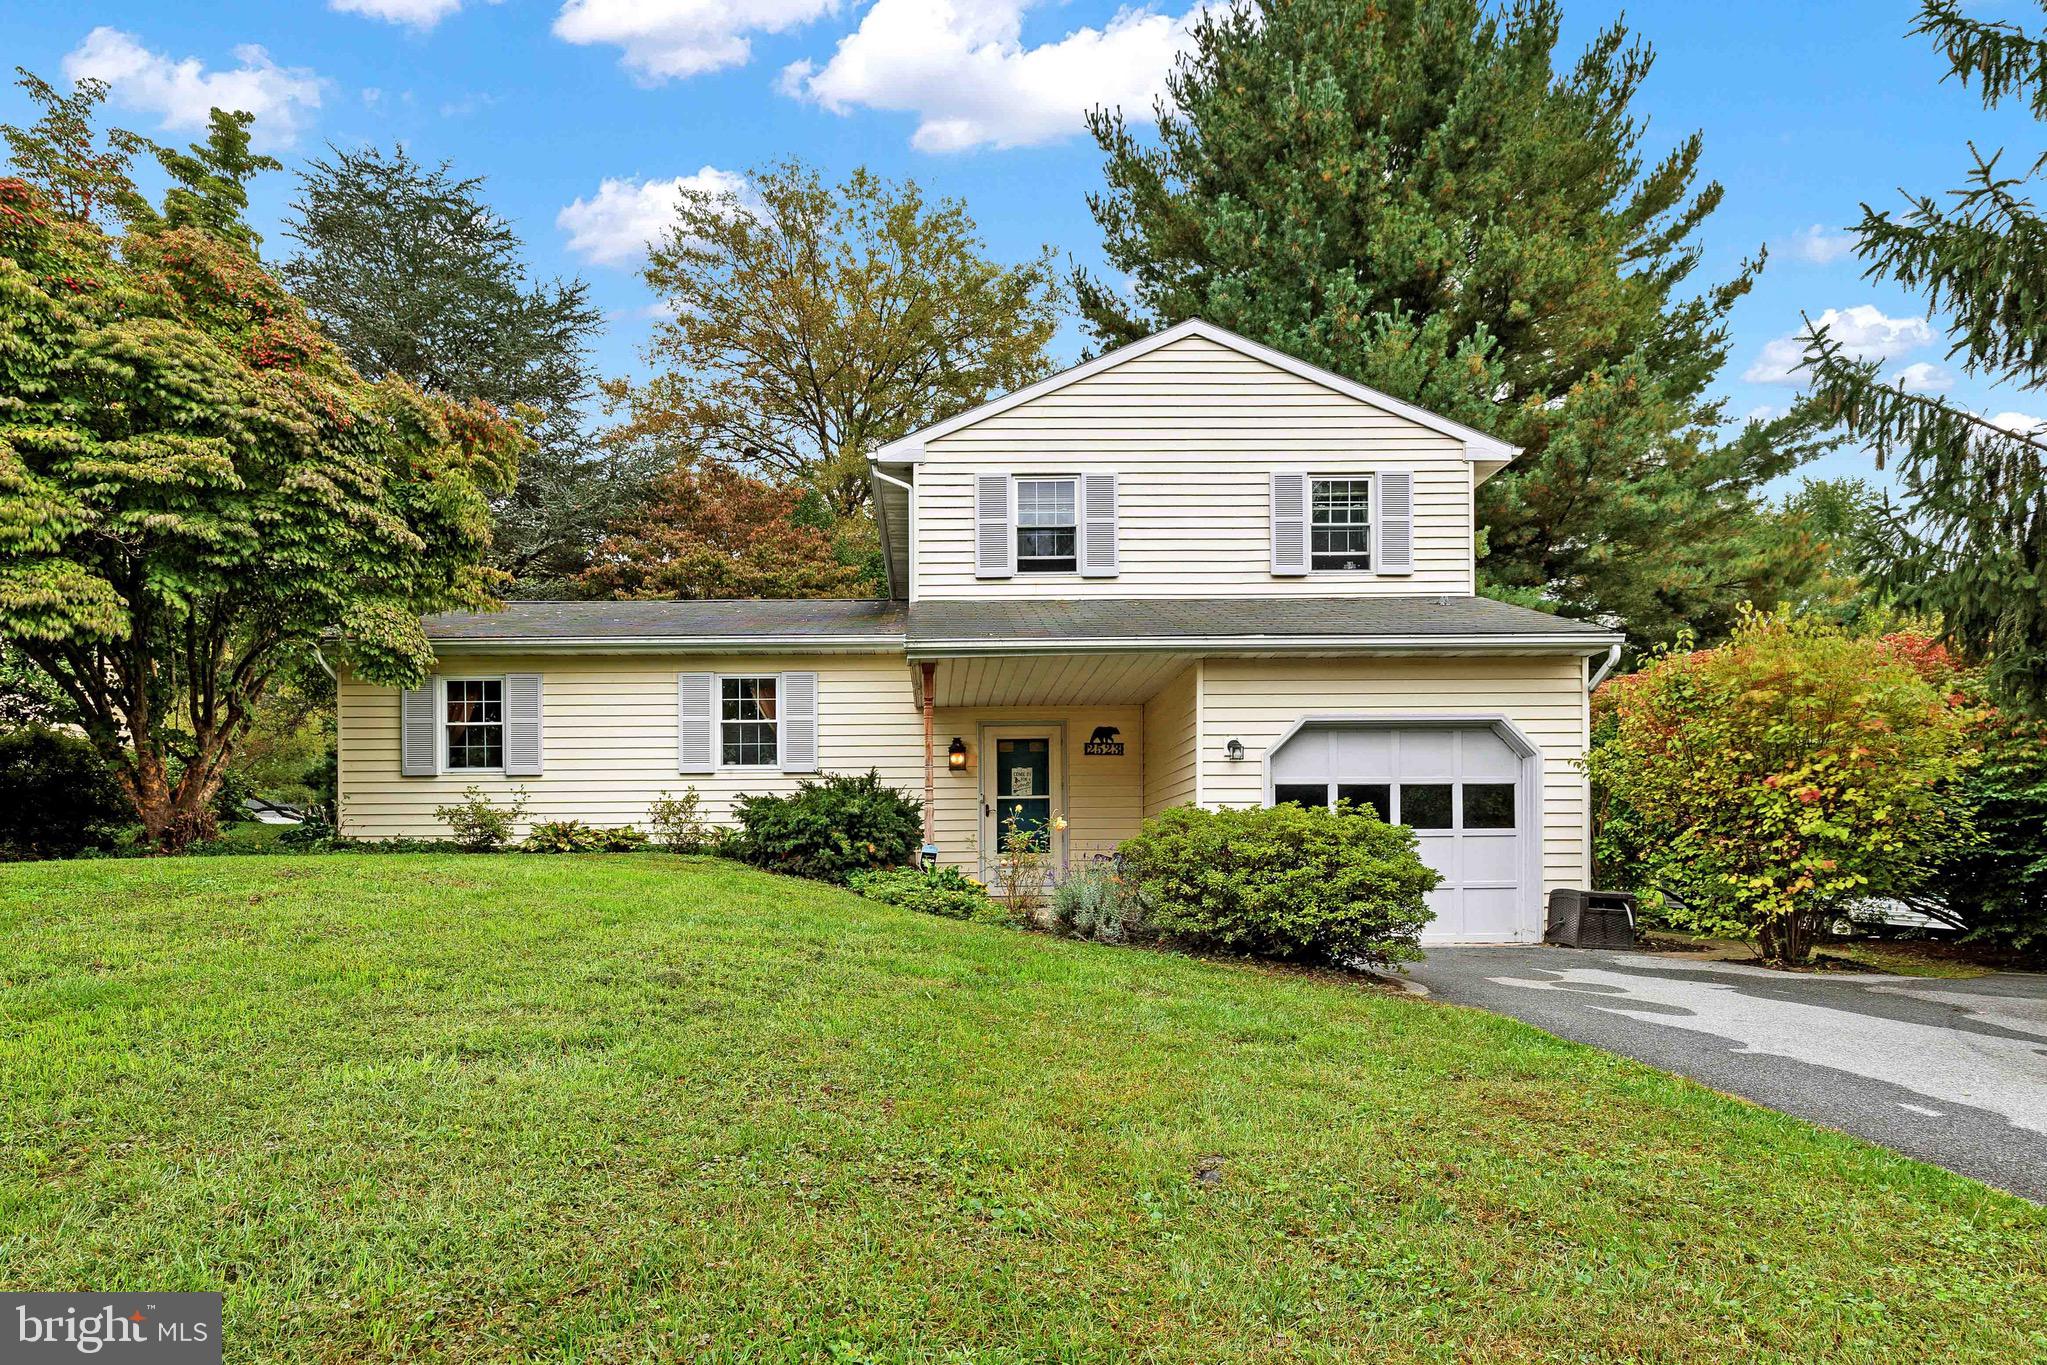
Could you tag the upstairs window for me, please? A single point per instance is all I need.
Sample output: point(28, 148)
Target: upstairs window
point(1340, 524)
point(1045, 526)
point(476, 722)
point(747, 723)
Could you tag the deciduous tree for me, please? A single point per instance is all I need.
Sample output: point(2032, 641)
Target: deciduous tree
point(809, 324)
point(1409, 194)
point(194, 486)
point(1971, 539)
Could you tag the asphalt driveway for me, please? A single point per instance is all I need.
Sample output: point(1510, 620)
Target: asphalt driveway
point(1951, 1072)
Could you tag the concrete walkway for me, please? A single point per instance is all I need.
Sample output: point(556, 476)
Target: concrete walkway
point(1951, 1072)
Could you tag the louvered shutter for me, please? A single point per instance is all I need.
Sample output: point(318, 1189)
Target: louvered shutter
point(693, 723)
point(1290, 523)
point(797, 704)
point(419, 754)
point(994, 527)
point(522, 725)
point(1098, 525)
point(1396, 521)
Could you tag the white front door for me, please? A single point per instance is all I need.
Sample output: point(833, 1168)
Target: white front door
point(1023, 784)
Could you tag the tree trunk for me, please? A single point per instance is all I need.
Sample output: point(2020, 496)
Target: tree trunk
point(173, 816)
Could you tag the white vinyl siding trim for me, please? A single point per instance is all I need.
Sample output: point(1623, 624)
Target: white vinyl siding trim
point(1193, 432)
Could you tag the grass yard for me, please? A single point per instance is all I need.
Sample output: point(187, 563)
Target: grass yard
point(636, 1108)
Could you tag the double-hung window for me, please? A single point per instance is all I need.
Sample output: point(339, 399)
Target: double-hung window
point(747, 725)
point(1045, 526)
point(474, 719)
point(1340, 524)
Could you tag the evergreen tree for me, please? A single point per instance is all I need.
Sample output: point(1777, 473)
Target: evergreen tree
point(412, 273)
point(1970, 541)
point(1408, 194)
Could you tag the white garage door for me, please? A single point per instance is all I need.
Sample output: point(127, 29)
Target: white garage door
point(1461, 789)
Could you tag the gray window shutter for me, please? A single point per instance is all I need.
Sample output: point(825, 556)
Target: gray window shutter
point(1396, 521)
point(1098, 525)
point(522, 725)
point(693, 723)
point(796, 699)
point(994, 527)
point(418, 742)
point(1289, 523)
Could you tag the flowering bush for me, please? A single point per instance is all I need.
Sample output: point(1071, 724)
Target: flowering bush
point(1758, 788)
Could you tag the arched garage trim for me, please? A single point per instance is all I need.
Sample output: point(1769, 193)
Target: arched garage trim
point(1527, 786)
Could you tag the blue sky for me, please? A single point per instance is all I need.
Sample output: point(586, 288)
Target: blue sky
point(581, 114)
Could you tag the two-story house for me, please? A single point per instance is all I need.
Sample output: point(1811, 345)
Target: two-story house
point(1192, 570)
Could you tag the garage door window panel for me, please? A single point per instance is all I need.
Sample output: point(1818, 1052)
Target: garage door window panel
point(1376, 797)
point(1425, 805)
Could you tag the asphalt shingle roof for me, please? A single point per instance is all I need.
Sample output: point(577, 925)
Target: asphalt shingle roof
point(598, 622)
point(1218, 617)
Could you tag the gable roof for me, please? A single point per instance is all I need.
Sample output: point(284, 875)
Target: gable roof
point(1477, 445)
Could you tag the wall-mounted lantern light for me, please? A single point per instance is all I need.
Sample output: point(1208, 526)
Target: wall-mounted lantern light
point(1234, 751)
point(956, 755)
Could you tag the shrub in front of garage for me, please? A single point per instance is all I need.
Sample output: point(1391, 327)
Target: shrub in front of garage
point(1335, 886)
point(828, 828)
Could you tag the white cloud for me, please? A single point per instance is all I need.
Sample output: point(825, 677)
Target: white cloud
point(1923, 376)
point(183, 93)
point(2020, 423)
point(962, 67)
point(1863, 332)
point(616, 226)
point(1817, 246)
point(420, 14)
point(1762, 412)
point(664, 39)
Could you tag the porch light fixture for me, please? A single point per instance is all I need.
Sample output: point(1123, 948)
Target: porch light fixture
point(956, 755)
point(1234, 751)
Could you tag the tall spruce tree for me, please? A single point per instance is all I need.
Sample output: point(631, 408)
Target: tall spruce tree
point(1970, 540)
point(1410, 194)
point(412, 273)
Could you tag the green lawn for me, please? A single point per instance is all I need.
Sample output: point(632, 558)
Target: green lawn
point(625, 1108)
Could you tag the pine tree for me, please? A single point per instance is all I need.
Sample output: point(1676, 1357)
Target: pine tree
point(1970, 539)
point(1409, 194)
point(412, 273)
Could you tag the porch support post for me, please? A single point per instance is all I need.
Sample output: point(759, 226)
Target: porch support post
point(930, 767)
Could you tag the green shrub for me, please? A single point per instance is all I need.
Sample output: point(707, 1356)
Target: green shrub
point(679, 824)
point(1306, 885)
point(944, 891)
point(481, 825)
point(623, 839)
point(1097, 903)
point(57, 798)
point(828, 829)
point(563, 836)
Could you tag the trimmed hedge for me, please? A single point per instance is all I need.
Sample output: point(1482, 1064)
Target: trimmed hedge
point(1318, 885)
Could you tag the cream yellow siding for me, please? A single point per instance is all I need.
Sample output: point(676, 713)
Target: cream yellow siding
point(609, 739)
point(1193, 431)
point(1172, 726)
point(1101, 796)
point(1256, 700)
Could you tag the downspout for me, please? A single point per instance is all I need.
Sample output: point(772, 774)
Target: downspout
point(1613, 656)
point(930, 850)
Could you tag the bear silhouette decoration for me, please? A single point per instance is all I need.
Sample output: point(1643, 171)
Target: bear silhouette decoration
point(1104, 734)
